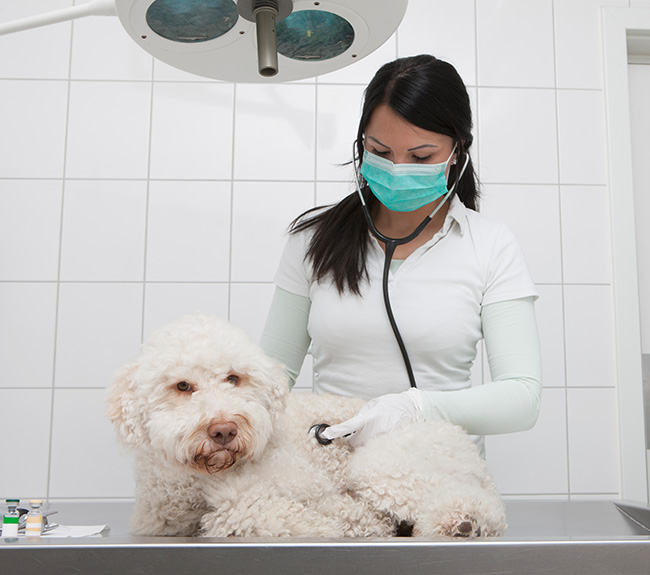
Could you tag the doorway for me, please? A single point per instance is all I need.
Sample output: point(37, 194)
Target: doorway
point(639, 92)
point(626, 57)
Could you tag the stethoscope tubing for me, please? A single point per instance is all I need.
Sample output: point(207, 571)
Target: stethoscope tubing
point(391, 244)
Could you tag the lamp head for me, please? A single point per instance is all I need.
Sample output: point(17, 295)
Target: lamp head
point(260, 40)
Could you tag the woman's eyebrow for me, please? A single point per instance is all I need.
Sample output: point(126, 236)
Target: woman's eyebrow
point(409, 150)
point(380, 143)
point(422, 146)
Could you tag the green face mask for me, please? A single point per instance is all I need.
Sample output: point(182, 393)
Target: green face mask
point(404, 187)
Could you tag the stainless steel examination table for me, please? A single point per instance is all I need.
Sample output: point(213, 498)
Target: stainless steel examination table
point(549, 537)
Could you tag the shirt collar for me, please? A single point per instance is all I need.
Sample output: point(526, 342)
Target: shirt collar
point(458, 213)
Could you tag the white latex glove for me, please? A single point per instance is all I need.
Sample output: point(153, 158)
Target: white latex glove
point(377, 416)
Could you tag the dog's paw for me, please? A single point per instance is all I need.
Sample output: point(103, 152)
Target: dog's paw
point(466, 527)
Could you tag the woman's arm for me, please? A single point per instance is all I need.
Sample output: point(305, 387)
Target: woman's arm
point(285, 337)
point(511, 401)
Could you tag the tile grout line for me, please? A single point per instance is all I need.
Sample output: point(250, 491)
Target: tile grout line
point(363, 85)
point(476, 163)
point(561, 238)
point(57, 302)
point(232, 200)
point(146, 212)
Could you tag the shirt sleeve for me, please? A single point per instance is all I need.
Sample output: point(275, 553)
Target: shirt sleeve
point(507, 275)
point(511, 401)
point(293, 273)
point(285, 337)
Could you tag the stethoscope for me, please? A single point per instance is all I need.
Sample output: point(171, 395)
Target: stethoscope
point(391, 244)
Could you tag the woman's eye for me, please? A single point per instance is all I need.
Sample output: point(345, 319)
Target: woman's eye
point(421, 159)
point(379, 152)
point(183, 386)
point(233, 378)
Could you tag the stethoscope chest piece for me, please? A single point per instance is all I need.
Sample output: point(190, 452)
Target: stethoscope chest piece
point(318, 429)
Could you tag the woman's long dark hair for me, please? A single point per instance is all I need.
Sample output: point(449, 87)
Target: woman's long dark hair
point(426, 92)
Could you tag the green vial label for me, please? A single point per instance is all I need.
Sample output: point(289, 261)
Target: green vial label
point(9, 520)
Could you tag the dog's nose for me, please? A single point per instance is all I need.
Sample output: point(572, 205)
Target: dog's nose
point(223, 432)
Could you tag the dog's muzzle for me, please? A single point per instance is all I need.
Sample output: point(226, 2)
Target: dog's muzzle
point(220, 449)
point(217, 460)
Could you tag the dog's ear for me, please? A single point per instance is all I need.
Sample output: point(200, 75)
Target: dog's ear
point(123, 406)
point(281, 387)
point(271, 376)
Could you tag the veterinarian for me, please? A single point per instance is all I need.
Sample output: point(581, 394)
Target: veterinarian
point(394, 286)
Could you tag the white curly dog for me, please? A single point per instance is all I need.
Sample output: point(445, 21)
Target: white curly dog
point(223, 449)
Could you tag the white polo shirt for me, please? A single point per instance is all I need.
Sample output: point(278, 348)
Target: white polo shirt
point(436, 295)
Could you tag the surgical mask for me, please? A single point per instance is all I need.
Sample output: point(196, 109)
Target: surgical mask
point(404, 187)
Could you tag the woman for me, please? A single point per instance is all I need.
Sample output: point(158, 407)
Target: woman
point(460, 279)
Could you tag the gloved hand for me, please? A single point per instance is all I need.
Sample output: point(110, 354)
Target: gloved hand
point(377, 416)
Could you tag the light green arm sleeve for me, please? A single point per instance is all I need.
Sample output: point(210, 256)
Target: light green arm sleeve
point(511, 401)
point(285, 337)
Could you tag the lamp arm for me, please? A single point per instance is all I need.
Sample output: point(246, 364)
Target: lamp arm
point(92, 8)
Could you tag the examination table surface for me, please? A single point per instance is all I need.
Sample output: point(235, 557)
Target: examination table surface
point(544, 537)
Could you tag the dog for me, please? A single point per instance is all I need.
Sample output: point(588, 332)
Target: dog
point(222, 448)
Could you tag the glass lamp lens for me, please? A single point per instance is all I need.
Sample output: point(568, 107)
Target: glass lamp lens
point(313, 35)
point(191, 20)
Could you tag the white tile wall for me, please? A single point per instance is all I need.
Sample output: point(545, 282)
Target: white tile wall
point(581, 117)
point(164, 302)
point(132, 193)
point(103, 230)
point(532, 212)
point(586, 241)
point(191, 135)
point(578, 43)
point(446, 29)
point(98, 329)
point(30, 226)
point(188, 231)
point(29, 476)
point(263, 211)
point(589, 333)
point(41, 53)
point(275, 132)
point(517, 136)
point(534, 461)
point(116, 57)
point(108, 130)
point(593, 441)
point(27, 333)
point(33, 128)
point(503, 24)
point(83, 443)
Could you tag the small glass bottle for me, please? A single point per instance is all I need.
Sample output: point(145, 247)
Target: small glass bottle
point(10, 519)
point(34, 520)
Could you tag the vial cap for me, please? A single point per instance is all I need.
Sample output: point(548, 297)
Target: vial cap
point(12, 500)
point(36, 501)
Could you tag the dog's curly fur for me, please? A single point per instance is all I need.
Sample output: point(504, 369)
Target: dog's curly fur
point(223, 449)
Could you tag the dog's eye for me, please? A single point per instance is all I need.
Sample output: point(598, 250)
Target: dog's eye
point(233, 378)
point(183, 386)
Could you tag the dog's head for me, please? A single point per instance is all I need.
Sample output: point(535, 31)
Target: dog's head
point(200, 394)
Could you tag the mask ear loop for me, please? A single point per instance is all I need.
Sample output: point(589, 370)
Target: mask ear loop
point(391, 244)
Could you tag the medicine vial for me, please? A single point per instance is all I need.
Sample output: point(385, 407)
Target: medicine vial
point(34, 523)
point(10, 519)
